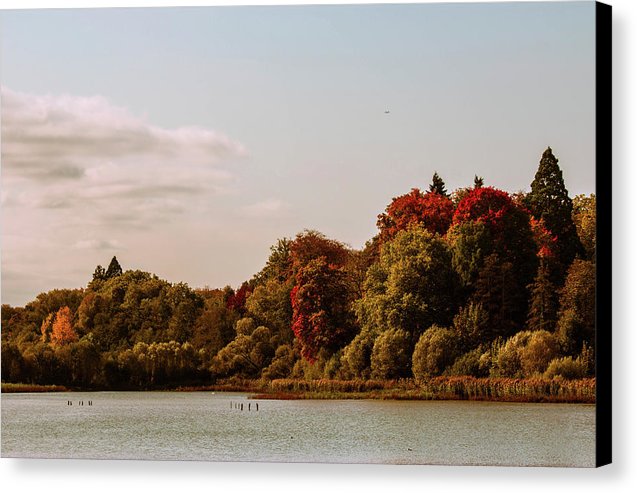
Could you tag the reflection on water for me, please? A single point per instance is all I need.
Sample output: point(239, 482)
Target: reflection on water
point(205, 426)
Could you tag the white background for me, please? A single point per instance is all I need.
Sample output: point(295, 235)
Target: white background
point(185, 477)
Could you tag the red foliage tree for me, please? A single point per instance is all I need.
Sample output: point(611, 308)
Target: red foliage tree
point(545, 241)
point(321, 318)
point(509, 226)
point(237, 301)
point(431, 210)
point(310, 245)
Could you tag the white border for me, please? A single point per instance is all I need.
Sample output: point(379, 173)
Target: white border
point(51, 476)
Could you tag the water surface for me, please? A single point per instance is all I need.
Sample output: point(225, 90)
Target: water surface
point(206, 426)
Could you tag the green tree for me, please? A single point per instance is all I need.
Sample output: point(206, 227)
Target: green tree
point(436, 349)
point(411, 287)
point(471, 325)
point(544, 300)
point(499, 291)
point(549, 201)
point(357, 356)
point(526, 354)
point(270, 305)
point(470, 243)
point(391, 355)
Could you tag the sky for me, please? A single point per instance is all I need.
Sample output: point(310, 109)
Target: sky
point(186, 141)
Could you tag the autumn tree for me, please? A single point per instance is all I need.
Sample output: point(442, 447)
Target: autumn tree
point(46, 327)
point(585, 219)
point(62, 331)
point(549, 201)
point(321, 315)
point(311, 245)
point(487, 222)
point(237, 300)
point(576, 324)
point(432, 211)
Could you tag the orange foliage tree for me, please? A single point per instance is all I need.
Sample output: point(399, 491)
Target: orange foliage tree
point(63, 332)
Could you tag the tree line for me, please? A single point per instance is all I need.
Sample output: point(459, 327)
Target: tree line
point(477, 282)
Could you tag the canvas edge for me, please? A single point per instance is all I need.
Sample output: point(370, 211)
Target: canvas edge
point(603, 172)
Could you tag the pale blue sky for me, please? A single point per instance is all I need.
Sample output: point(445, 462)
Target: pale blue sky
point(296, 96)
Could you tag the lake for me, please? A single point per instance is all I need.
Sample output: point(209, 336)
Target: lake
point(207, 426)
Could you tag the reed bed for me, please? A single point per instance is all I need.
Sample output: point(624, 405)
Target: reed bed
point(512, 389)
point(326, 385)
point(11, 388)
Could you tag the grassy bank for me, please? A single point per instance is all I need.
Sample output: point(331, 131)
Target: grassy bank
point(437, 388)
point(10, 388)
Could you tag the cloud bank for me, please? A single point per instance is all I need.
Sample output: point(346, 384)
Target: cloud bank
point(53, 138)
point(82, 177)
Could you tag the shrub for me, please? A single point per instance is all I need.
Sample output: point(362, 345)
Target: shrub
point(436, 349)
point(356, 359)
point(391, 355)
point(470, 364)
point(567, 368)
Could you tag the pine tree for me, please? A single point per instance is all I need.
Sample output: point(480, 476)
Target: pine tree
point(114, 269)
point(544, 300)
point(438, 185)
point(549, 201)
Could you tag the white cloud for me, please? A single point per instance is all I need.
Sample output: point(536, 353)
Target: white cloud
point(266, 209)
point(98, 245)
point(62, 137)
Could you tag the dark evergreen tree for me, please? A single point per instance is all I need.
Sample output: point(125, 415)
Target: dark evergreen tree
point(438, 185)
point(499, 290)
point(478, 181)
point(99, 274)
point(114, 269)
point(549, 201)
point(544, 300)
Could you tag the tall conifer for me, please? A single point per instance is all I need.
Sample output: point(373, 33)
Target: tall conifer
point(549, 200)
point(438, 185)
point(114, 269)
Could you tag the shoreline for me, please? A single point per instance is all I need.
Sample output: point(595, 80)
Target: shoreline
point(581, 391)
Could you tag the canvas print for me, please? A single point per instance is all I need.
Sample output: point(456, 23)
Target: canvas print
point(337, 233)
